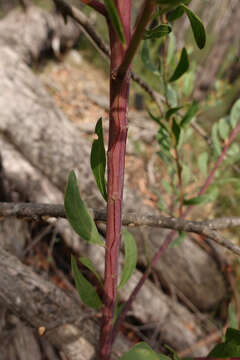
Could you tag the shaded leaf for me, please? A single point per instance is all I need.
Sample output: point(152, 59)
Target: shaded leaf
point(231, 346)
point(88, 264)
point(176, 130)
point(77, 213)
point(85, 289)
point(197, 27)
point(182, 66)
point(157, 32)
point(175, 14)
point(98, 160)
point(172, 111)
point(115, 19)
point(130, 263)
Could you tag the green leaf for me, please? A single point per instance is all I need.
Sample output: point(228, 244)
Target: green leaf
point(176, 130)
point(157, 32)
point(175, 14)
point(171, 49)
point(88, 264)
point(98, 160)
point(130, 249)
point(197, 27)
point(145, 56)
point(235, 114)
point(171, 112)
point(171, 96)
point(191, 112)
point(182, 66)
point(115, 19)
point(203, 163)
point(223, 128)
point(85, 289)
point(187, 174)
point(143, 351)
point(203, 199)
point(217, 149)
point(231, 346)
point(232, 316)
point(77, 213)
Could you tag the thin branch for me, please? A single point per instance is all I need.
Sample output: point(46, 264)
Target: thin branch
point(205, 228)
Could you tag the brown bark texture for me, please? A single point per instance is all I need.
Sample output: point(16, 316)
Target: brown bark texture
point(39, 146)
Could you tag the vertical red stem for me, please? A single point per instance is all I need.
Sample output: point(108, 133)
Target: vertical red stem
point(119, 92)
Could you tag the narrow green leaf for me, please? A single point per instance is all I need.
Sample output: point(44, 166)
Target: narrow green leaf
point(182, 66)
point(215, 141)
point(143, 351)
point(203, 199)
point(157, 32)
point(232, 317)
point(98, 160)
point(235, 114)
point(203, 163)
point(115, 19)
point(172, 111)
point(130, 249)
point(85, 289)
point(145, 56)
point(77, 213)
point(88, 264)
point(171, 95)
point(223, 128)
point(197, 27)
point(176, 130)
point(171, 49)
point(191, 112)
point(187, 174)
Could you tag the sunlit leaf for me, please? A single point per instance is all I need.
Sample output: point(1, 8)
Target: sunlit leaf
point(98, 160)
point(85, 289)
point(171, 95)
point(77, 213)
point(182, 66)
point(130, 263)
point(223, 128)
point(197, 27)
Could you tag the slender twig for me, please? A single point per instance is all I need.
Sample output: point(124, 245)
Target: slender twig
point(206, 228)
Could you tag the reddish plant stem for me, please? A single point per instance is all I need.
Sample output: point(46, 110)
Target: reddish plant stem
point(171, 235)
point(119, 93)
